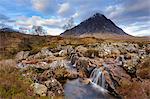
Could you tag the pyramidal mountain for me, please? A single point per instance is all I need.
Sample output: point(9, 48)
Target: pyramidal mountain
point(97, 25)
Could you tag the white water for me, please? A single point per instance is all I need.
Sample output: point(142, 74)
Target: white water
point(98, 78)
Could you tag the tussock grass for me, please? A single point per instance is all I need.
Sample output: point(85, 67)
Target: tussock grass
point(12, 83)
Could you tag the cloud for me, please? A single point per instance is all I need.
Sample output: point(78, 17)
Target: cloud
point(3, 17)
point(52, 25)
point(45, 6)
point(40, 5)
point(138, 28)
point(64, 9)
point(132, 15)
point(39, 21)
point(54, 31)
point(129, 9)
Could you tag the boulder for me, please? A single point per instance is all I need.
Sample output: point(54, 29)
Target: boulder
point(46, 52)
point(43, 53)
point(58, 63)
point(63, 69)
point(54, 87)
point(62, 53)
point(81, 49)
point(45, 76)
point(39, 89)
point(117, 73)
point(22, 55)
point(131, 48)
point(84, 66)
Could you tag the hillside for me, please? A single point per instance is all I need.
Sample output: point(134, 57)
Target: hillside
point(13, 42)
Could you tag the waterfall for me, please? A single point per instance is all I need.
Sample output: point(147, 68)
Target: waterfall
point(98, 78)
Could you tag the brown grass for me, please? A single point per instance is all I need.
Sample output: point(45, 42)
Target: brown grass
point(134, 90)
point(144, 69)
point(12, 84)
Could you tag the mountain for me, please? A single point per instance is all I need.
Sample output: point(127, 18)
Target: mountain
point(97, 25)
point(7, 30)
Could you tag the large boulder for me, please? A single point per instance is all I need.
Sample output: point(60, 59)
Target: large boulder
point(39, 89)
point(43, 53)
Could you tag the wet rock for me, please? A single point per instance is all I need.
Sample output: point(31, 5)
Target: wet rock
point(74, 58)
point(83, 66)
point(54, 87)
point(22, 55)
point(39, 89)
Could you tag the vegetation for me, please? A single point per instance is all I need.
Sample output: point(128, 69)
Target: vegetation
point(144, 69)
point(91, 53)
point(12, 83)
point(134, 90)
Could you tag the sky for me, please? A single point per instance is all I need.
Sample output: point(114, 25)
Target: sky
point(133, 16)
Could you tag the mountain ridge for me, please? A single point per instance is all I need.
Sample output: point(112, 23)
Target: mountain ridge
point(98, 24)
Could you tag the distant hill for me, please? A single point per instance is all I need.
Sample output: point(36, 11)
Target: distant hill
point(97, 25)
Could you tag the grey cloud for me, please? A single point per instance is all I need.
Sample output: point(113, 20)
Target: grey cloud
point(130, 9)
point(3, 17)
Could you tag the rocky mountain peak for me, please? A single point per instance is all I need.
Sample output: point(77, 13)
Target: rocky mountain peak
point(96, 24)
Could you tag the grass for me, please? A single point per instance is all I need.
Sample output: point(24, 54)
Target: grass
point(144, 69)
point(12, 84)
point(134, 90)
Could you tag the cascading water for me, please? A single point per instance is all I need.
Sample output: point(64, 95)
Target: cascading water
point(98, 78)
